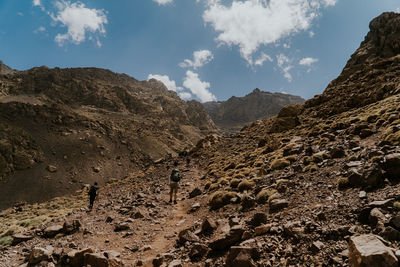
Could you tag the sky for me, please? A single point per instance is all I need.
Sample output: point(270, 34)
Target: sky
point(205, 50)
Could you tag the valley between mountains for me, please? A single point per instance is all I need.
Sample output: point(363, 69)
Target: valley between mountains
point(317, 184)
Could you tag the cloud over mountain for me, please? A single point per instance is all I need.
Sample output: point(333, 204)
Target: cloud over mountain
point(197, 87)
point(200, 58)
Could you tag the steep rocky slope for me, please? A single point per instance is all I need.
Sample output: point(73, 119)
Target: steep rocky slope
point(62, 128)
point(237, 111)
point(304, 188)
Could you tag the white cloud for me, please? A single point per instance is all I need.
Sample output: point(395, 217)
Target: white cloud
point(311, 34)
point(308, 61)
point(36, 3)
point(397, 10)
point(80, 21)
point(250, 24)
point(284, 63)
point(40, 29)
point(260, 61)
point(185, 95)
point(200, 58)
point(170, 84)
point(197, 87)
point(163, 2)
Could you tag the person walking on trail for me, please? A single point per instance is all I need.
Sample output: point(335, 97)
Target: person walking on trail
point(92, 194)
point(174, 179)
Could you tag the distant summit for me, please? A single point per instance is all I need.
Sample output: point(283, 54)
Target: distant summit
point(237, 111)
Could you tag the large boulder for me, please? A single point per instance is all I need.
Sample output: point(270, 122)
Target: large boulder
point(225, 240)
point(392, 166)
point(39, 254)
point(368, 250)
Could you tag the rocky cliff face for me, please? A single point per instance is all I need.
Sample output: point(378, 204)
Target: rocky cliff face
point(371, 74)
point(67, 127)
point(254, 106)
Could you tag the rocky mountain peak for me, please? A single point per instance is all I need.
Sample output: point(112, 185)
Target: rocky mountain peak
point(382, 41)
point(371, 74)
point(4, 69)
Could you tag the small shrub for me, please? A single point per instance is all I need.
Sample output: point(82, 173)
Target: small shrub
point(343, 183)
point(307, 160)
point(245, 185)
point(214, 186)
point(6, 241)
point(311, 168)
point(279, 164)
point(223, 181)
point(235, 182)
point(275, 195)
point(29, 223)
point(291, 158)
point(263, 196)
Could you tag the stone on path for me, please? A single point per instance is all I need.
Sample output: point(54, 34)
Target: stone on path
point(368, 250)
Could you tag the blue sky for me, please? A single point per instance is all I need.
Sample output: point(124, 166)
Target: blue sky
point(203, 49)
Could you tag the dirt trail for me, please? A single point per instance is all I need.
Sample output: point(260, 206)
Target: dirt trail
point(152, 233)
point(178, 218)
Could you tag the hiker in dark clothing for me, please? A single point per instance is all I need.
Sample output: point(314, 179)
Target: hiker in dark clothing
point(174, 179)
point(187, 161)
point(92, 194)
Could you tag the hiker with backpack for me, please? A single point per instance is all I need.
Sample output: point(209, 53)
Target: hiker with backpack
point(174, 179)
point(92, 194)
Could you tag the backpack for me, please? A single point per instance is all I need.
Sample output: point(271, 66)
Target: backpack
point(93, 190)
point(175, 176)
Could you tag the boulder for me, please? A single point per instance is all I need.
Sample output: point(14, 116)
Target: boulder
point(76, 258)
point(373, 176)
point(276, 205)
point(241, 256)
point(95, 259)
point(392, 165)
point(187, 236)
point(355, 178)
point(368, 250)
point(262, 229)
point(121, 227)
point(70, 227)
point(316, 247)
point(337, 152)
point(259, 218)
point(390, 234)
point(248, 202)
point(195, 192)
point(51, 168)
point(225, 240)
point(197, 252)
point(175, 263)
point(376, 217)
point(39, 254)
point(53, 230)
point(395, 222)
point(208, 226)
point(19, 238)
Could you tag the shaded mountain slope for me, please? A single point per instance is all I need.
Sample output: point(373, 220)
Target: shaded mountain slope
point(67, 127)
